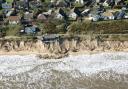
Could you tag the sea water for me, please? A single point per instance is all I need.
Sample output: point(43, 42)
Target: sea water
point(96, 71)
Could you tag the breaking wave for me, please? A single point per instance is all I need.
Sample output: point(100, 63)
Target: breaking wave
point(97, 71)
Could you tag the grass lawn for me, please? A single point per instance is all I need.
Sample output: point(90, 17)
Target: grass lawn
point(10, 1)
point(12, 30)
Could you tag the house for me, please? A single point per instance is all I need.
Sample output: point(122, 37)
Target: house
point(1, 1)
point(9, 13)
point(13, 19)
point(6, 5)
point(120, 2)
point(100, 1)
point(35, 4)
point(26, 5)
point(79, 1)
point(85, 12)
point(50, 38)
point(61, 3)
point(30, 30)
point(121, 14)
point(26, 21)
point(49, 12)
point(60, 14)
point(100, 9)
point(109, 14)
point(96, 17)
point(42, 17)
point(28, 15)
point(52, 1)
point(20, 4)
point(74, 14)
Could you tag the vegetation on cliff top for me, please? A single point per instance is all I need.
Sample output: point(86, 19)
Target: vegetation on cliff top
point(103, 27)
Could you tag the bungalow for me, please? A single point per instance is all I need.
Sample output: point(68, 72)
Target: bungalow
point(13, 19)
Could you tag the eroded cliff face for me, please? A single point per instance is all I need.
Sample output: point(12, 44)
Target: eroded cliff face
point(63, 46)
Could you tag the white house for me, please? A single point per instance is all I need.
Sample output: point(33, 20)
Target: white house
point(109, 14)
point(73, 16)
point(58, 14)
point(49, 12)
point(13, 19)
point(79, 1)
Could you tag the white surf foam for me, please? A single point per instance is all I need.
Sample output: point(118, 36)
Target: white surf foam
point(85, 64)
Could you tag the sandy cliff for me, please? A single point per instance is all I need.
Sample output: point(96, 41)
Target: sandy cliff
point(64, 46)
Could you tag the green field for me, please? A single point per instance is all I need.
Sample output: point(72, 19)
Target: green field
point(9, 1)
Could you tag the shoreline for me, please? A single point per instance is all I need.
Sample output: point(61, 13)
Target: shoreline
point(23, 53)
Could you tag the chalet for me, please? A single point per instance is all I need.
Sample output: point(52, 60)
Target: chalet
point(13, 19)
